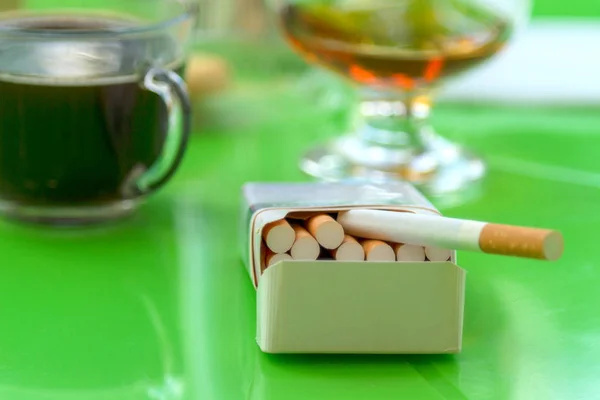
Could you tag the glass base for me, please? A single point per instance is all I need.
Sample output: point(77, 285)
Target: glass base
point(443, 170)
point(68, 216)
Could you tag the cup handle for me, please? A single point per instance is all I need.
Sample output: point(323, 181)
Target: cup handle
point(173, 91)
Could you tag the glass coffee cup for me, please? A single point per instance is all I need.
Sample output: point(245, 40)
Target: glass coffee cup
point(94, 114)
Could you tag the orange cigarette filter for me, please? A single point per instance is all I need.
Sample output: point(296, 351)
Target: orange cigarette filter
point(437, 254)
point(273, 258)
point(377, 250)
point(349, 250)
point(328, 232)
point(519, 241)
point(305, 245)
point(279, 236)
point(409, 253)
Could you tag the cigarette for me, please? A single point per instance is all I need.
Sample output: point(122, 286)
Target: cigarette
point(409, 253)
point(305, 246)
point(328, 232)
point(437, 254)
point(350, 250)
point(273, 258)
point(376, 250)
point(279, 236)
point(456, 234)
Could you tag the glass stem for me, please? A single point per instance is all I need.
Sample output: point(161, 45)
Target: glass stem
point(393, 122)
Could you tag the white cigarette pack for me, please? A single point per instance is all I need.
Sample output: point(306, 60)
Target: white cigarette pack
point(328, 306)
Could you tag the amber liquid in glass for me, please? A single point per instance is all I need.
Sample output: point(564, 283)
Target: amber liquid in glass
point(400, 47)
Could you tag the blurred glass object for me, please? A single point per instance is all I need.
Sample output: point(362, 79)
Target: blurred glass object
point(94, 115)
point(246, 35)
point(398, 53)
point(232, 17)
point(261, 70)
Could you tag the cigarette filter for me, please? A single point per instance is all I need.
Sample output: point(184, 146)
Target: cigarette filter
point(437, 254)
point(350, 250)
point(376, 250)
point(273, 258)
point(305, 246)
point(328, 232)
point(279, 236)
point(408, 252)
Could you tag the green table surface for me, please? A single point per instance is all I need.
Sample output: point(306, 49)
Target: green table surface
point(561, 8)
point(160, 306)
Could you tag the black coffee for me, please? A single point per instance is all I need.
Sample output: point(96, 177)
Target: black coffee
point(74, 121)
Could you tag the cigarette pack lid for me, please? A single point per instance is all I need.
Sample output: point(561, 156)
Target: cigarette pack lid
point(331, 194)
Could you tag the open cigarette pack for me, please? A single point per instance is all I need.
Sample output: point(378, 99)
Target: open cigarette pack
point(322, 290)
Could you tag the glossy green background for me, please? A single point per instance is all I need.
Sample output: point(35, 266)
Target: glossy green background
point(160, 307)
point(561, 8)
